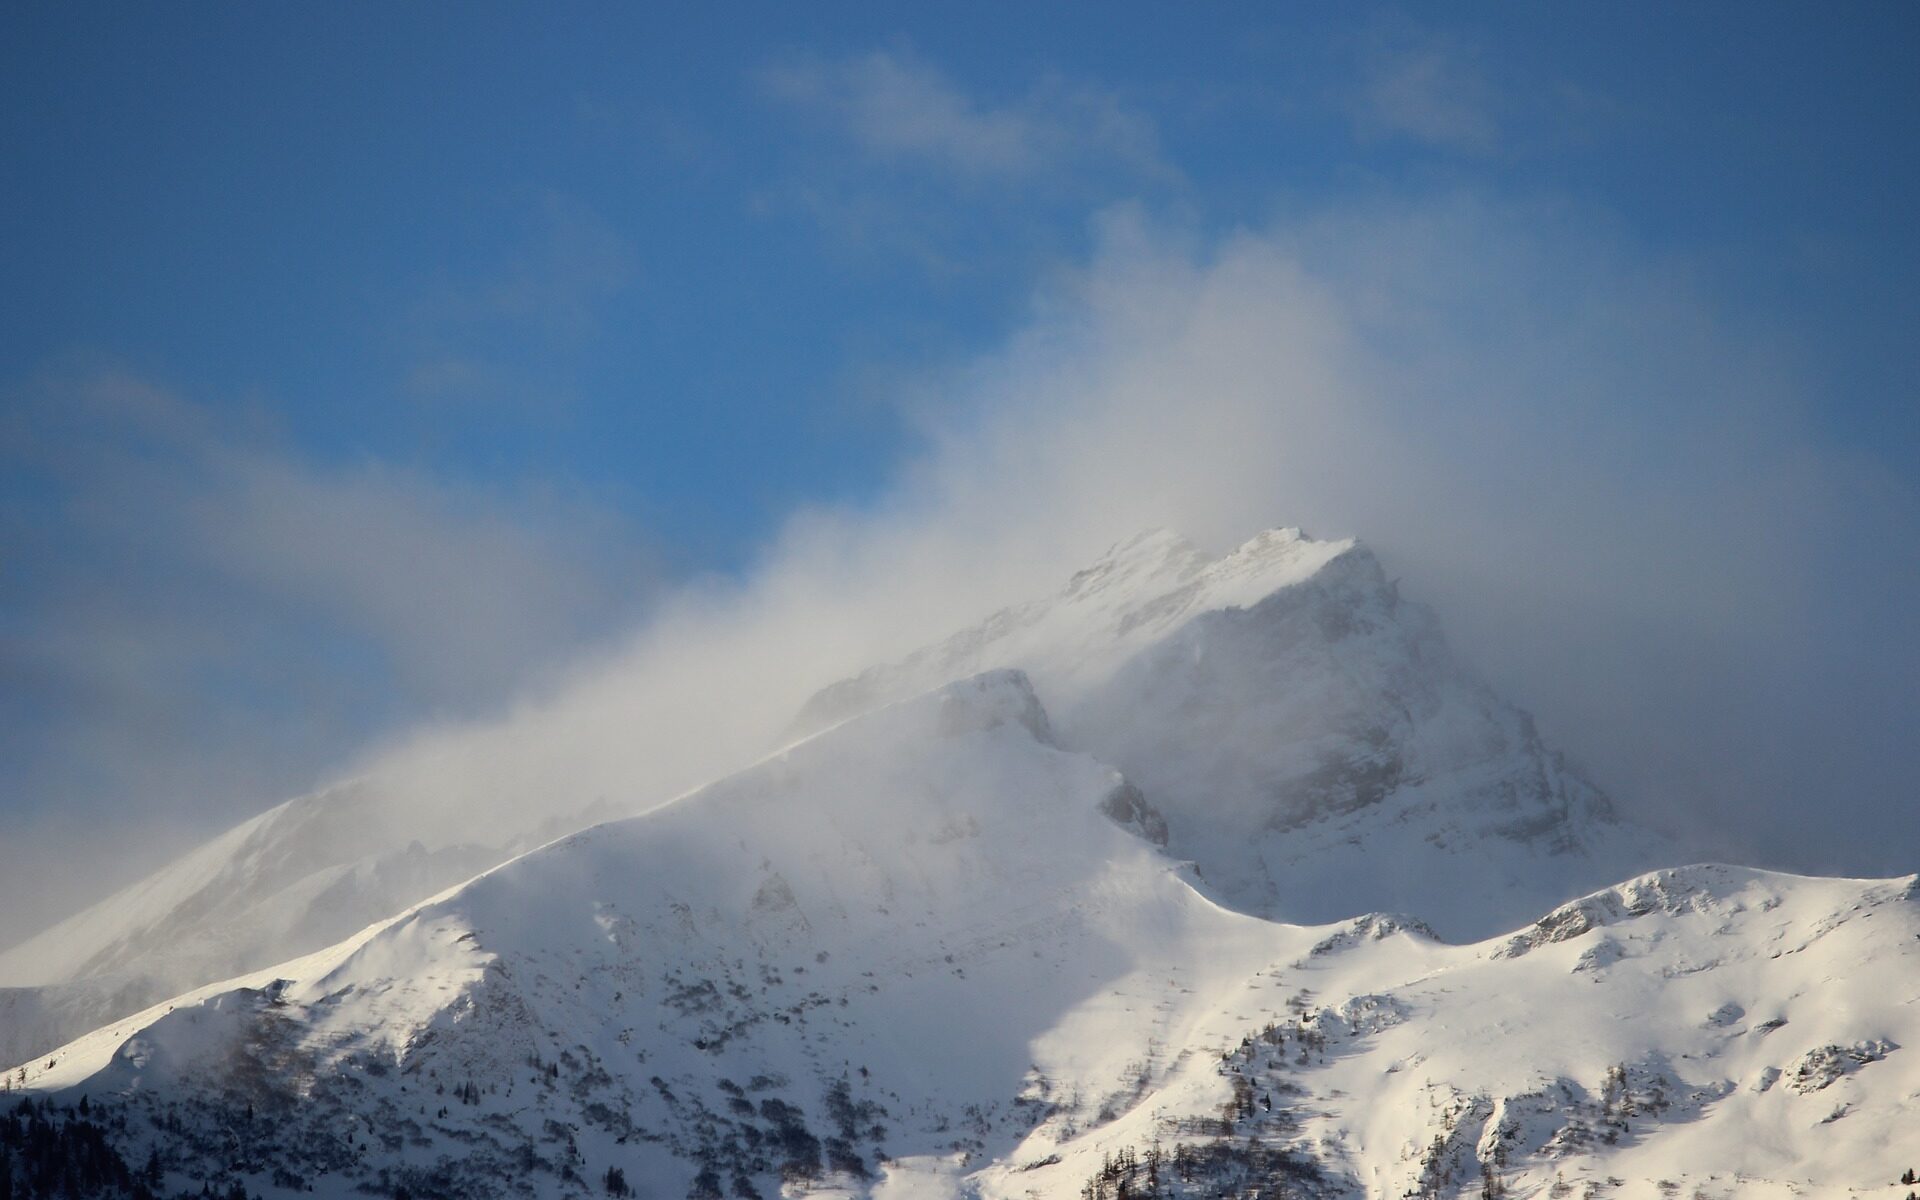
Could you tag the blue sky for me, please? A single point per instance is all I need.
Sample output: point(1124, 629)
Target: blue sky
point(401, 231)
point(364, 365)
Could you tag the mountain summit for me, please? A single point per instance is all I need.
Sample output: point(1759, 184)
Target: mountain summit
point(1300, 726)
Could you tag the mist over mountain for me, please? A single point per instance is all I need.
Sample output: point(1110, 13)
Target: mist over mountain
point(1196, 873)
point(1291, 720)
point(996, 603)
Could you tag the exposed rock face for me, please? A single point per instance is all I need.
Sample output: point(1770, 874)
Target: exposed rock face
point(1820, 1067)
point(1130, 810)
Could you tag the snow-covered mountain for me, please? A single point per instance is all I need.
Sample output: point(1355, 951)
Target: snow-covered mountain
point(1204, 876)
point(931, 952)
point(1294, 720)
point(1299, 724)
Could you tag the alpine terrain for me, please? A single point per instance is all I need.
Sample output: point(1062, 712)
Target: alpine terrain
point(1204, 876)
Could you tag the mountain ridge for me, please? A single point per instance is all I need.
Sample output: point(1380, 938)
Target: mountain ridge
point(1301, 648)
point(914, 955)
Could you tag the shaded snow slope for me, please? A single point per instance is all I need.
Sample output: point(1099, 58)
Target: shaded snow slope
point(916, 955)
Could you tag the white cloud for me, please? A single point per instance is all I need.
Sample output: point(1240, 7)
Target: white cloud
point(198, 621)
point(1426, 88)
point(460, 588)
point(897, 107)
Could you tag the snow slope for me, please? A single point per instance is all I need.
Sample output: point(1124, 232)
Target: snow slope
point(300, 876)
point(1705, 1031)
point(930, 953)
point(907, 895)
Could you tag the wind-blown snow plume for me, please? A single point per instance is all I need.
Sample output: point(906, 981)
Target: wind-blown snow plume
point(1608, 496)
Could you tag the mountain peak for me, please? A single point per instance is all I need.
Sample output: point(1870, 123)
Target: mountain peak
point(1157, 555)
point(1268, 539)
point(1154, 541)
point(1291, 716)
